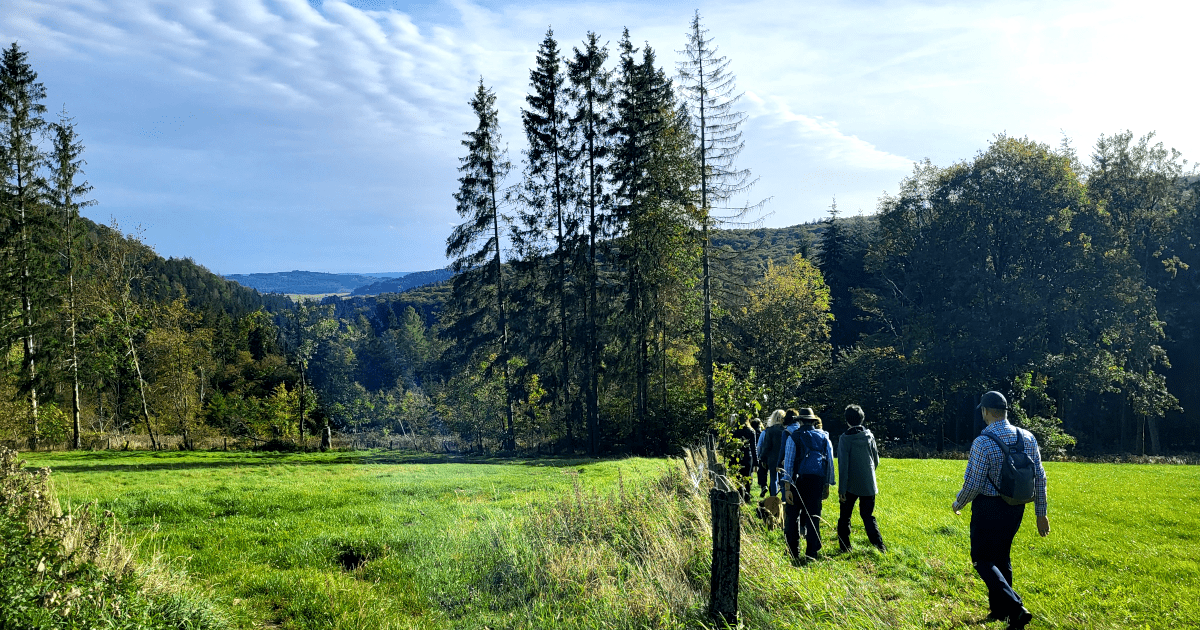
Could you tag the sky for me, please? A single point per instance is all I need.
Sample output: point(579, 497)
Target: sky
point(272, 135)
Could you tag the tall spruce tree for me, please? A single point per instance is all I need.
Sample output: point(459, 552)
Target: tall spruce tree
point(28, 230)
point(709, 89)
point(591, 95)
point(651, 173)
point(475, 245)
point(66, 197)
point(547, 192)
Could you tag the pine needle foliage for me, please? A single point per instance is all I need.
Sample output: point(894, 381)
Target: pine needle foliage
point(26, 263)
point(66, 198)
point(549, 225)
point(709, 88)
point(475, 245)
point(591, 93)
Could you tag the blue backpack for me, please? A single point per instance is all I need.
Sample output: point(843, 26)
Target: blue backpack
point(810, 454)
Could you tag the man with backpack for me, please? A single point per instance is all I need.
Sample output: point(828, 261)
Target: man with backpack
point(1004, 472)
point(807, 475)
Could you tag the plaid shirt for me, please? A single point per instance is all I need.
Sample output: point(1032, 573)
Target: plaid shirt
point(986, 459)
point(789, 453)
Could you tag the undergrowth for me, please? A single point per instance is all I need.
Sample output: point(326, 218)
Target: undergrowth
point(72, 570)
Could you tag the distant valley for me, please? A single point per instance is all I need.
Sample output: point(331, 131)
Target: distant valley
point(316, 283)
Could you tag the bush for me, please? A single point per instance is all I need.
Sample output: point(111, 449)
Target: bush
point(71, 570)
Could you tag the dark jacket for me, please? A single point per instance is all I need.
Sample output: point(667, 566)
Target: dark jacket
point(858, 457)
point(772, 451)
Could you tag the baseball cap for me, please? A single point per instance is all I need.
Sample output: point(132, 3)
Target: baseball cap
point(993, 400)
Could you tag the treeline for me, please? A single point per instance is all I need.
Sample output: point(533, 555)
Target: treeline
point(101, 335)
point(592, 308)
point(610, 295)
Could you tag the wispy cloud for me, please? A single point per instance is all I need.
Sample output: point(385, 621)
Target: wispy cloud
point(823, 138)
point(296, 133)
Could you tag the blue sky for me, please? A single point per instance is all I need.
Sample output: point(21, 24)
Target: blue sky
point(270, 135)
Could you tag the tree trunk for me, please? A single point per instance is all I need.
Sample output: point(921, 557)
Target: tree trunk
point(705, 211)
point(142, 390)
point(593, 395)
point(1127, 438)
point(302, 392)
point(709, 401)
point(1152, 428)
point(510, 441)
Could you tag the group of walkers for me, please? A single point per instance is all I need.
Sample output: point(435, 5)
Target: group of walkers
point(794, 460)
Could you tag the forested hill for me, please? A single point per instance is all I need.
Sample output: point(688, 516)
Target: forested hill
point(386, 310)
point(165, 279)
point(745, 259)
point(408, 281)
point(306, 282)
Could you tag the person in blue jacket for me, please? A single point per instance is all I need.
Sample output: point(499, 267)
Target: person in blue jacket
point(807, 475)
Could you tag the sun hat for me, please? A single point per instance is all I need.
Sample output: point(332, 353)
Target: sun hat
point(806, 413)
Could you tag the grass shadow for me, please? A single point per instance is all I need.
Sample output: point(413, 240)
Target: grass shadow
point(137, 461)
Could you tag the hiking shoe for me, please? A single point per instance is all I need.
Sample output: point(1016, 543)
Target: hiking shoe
point(1019, 620)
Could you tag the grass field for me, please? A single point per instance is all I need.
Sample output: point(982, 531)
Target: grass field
point(379, 540)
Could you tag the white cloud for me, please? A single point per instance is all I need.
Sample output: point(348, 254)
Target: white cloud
point(823, 139)
point(305, 132)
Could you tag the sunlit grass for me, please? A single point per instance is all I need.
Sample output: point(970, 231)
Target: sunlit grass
point(380, 540)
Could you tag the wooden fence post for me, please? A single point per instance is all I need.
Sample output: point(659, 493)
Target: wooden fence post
point(727, 548)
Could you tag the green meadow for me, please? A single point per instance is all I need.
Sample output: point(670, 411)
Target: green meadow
point(381, 540)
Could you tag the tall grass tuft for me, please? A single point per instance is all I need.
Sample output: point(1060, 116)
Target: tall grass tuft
point(634, 557)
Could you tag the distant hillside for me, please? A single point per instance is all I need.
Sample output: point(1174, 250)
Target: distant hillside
point(168, 278)
point(409, 281)
point(307, 282)
point(384, 311)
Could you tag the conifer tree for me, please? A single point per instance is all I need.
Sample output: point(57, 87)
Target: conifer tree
point(547, 191)
point(591, 94)
point(66, 199)
point(28, 232)
point(475, 244)
point(708, 88)
point(652, 171)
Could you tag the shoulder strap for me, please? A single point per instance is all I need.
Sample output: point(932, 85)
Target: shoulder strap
point(1005, 453)
point(798, 457)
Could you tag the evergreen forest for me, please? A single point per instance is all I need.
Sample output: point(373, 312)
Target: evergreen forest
point(614, 292)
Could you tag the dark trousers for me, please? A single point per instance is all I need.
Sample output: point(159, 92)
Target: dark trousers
point(866, 509)
point(994, 523)
point(804, 515)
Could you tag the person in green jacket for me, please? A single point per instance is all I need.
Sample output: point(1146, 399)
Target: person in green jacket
point(858, 457)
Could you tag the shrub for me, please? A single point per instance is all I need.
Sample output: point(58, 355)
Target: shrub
point(71, 570)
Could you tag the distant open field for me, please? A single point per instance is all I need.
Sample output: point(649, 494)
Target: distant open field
point(378, 540)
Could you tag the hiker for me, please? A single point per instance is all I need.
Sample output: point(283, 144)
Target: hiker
point(998, 484)
point(756, 425)
point(770, 449)
point(747, 454)
point(807, 475)
point(857, 457)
